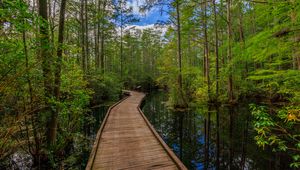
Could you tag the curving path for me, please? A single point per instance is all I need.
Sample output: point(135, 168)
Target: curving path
point(126, 140)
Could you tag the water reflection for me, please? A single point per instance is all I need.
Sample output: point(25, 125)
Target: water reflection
point(210, 137)
point(98, 114)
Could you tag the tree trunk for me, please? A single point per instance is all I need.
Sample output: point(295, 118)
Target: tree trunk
point(179, 53)
point(97, 36)
point(102, 36)
point(36, 152)
point(121, 43)
point(87, 52)
point(206, 50)
point(83, 50)
point(47, 58)
point(57, 80)
point(229, 52)
point(102, 51)
point(216, 49)
point(242, 37)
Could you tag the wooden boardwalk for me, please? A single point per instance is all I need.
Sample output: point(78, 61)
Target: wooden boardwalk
point(126, 140)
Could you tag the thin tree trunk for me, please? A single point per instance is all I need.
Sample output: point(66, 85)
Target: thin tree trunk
point(87, 54)
point(121, 43)
point(102, 37)
point(97, 36)
point(83, 50)
point(27, 66)
point(36, 152)
point(102, 51)
point(121, 50)
point(206, 50)
point(216, 49)
point(242, 36)
point(229, 51)
point(179, 54)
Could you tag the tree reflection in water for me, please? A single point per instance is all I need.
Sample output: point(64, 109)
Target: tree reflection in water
point(210, 137)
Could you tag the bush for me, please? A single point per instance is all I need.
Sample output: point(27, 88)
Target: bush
point(105, 86)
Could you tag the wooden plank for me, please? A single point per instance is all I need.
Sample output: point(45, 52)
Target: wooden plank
point(179, 164)
point(126, 140)
point(96, 143)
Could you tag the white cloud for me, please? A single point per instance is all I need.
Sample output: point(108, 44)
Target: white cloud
point(159, 29)
point(135, 5)
point(162, 29)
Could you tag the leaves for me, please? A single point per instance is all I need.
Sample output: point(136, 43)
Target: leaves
point(278, 134)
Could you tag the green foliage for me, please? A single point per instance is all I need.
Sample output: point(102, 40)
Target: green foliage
point(107, 87)
point(265, 62)
point(278, 130)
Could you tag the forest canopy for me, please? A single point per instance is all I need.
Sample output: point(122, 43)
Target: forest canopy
point(60, 58)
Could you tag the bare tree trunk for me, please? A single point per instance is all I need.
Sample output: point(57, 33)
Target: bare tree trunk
point(229, 52)
point(36, 152)
point(83, 50)
point(97, 36)
point(121, 51)
point(102, 51)
point(206, 50)
point(87, 52)
point(242, 36)
point(189, 59)
point(216, 49)
point(179, 53)
point(102, 37)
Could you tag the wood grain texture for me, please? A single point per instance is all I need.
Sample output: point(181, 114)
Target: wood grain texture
point(126, 140)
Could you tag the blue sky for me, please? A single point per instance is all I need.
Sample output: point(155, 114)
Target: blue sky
point(150, 17)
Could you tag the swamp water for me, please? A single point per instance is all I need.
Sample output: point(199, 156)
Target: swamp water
point(196, 138)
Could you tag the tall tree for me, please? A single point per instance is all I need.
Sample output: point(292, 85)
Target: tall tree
point(216, 48)
point(181, 100)
point(206, 49)
point(46, 56)
point(58, 65)
point(86, 25)
point(123, 16)
point(229, 52)
point(83, 39)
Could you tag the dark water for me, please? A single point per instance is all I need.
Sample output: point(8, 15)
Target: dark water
point(98, 114)
point(90, 131)
point(203, 135)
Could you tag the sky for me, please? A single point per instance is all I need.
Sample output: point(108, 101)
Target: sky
point(150, 17)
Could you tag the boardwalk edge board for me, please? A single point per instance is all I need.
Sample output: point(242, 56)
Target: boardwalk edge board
point(172, 155)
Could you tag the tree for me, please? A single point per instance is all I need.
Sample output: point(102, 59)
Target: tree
point(216, 48)
point(229, 52)
point(123, 17)
point(45, 52)
point(206, 50)
point(58, 65)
